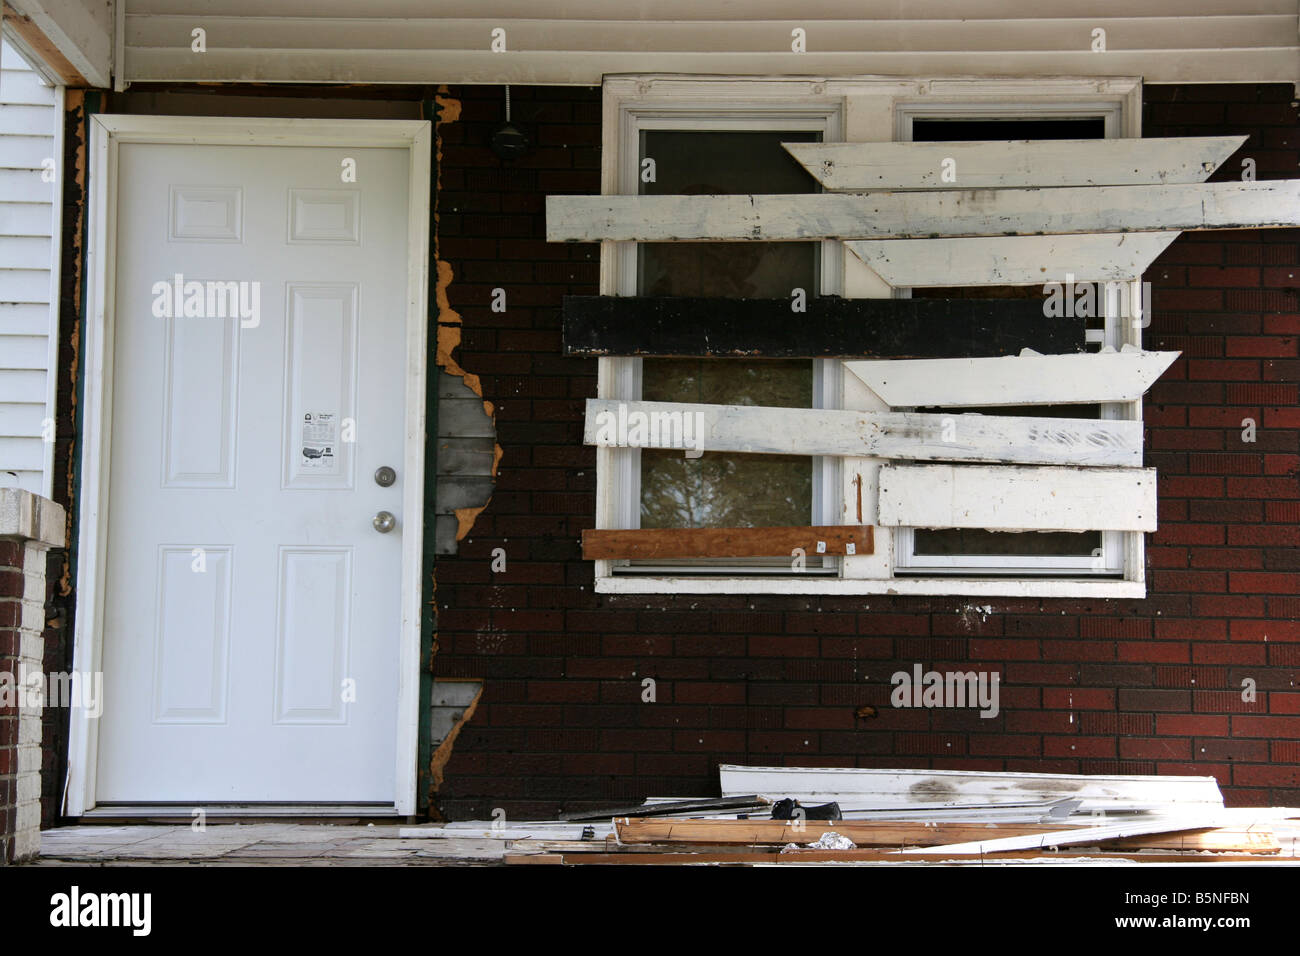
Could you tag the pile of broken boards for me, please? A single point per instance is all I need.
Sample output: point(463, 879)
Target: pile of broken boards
point(784, 815)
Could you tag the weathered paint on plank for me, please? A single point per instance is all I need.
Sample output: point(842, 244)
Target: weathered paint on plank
point(999, 164)
point(1012, 260)
point(1017, 499)
point(904, 833)
point(816, 431)
point(1015, 380)
point(1274, 204)
point(641, 543)
point(1207, 819)
point(830, 327)
point(855, 787)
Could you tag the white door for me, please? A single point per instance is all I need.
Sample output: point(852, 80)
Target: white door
point(252, 611)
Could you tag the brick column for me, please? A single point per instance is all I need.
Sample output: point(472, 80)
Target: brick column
point(29, 526)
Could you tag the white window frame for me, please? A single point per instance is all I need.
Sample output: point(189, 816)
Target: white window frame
point(623, 375)
point(853, 109)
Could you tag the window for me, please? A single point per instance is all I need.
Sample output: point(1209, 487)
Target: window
point(717, 136)
point(716, 154)
point(1005, 553)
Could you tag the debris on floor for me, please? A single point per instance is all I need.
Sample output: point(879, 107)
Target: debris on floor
point(907, 817)
point(769, 816)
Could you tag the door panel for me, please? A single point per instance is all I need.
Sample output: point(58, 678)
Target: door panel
point(252, 611)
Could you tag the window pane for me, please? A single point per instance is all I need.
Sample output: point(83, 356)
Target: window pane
point(953, 130)
point(717, 164)
point(723, 489)
point(970, 541)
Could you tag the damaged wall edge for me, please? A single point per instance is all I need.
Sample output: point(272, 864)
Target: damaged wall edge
point(453, 704)
point(434, 753)
point(449, 322)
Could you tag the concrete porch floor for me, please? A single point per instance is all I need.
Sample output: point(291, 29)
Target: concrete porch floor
point(265, 844)
point(325, 844)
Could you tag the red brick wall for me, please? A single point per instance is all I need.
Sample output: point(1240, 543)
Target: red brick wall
point(1094, 686)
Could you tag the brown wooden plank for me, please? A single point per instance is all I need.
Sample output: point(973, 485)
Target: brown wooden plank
point(869, 855)
point(891, 833)
point(726, 542)
point(1252, 839)
point(780, 832)
point(44, 47)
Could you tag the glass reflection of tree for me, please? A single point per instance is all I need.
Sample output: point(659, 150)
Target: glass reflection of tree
point(726, 489)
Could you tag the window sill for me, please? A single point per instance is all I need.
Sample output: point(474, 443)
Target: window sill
point(950, 586)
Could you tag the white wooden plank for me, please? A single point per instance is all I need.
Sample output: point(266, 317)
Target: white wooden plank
point(24, 351)
point(21, 454)
point(25, 218)
point(23, 385)
point(933, 214)
point(1025, 379)
point(1012, 260)
point(33, 481)
point(24, 152)
point(360, 62)
point(82, 32)
point(706, 10)
point(24, 252)
point(484, 830)
point(24, 285)
point(16, 120)
point(858, 787)
point(23, 87)
point(1087, 836)
point(1017, 499)
point(24, 186)
point(21, 421)
point(997, 164)
point(946, 586)
point(862, 34)
point(815, 431)
point(28, 318)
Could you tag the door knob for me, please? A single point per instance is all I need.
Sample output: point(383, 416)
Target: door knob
point(384, 522)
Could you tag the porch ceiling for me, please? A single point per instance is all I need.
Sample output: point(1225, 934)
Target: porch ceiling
point(575, 42)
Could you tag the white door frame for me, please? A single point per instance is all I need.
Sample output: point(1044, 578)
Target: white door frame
point(107, 132)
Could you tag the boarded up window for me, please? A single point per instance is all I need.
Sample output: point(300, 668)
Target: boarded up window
point(994, 544)
point(723, 489)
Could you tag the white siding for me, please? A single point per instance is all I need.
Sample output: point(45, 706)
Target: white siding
point(29, 116)
point(578, 41)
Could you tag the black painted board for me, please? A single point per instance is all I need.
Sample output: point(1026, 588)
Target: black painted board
point(831, 327)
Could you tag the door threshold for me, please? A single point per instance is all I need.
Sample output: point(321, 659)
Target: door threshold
point(185, 811)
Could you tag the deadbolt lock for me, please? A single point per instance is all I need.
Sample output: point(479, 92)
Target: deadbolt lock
point(385, 476)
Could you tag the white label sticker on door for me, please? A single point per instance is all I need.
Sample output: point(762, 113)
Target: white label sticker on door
point(320, 435)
